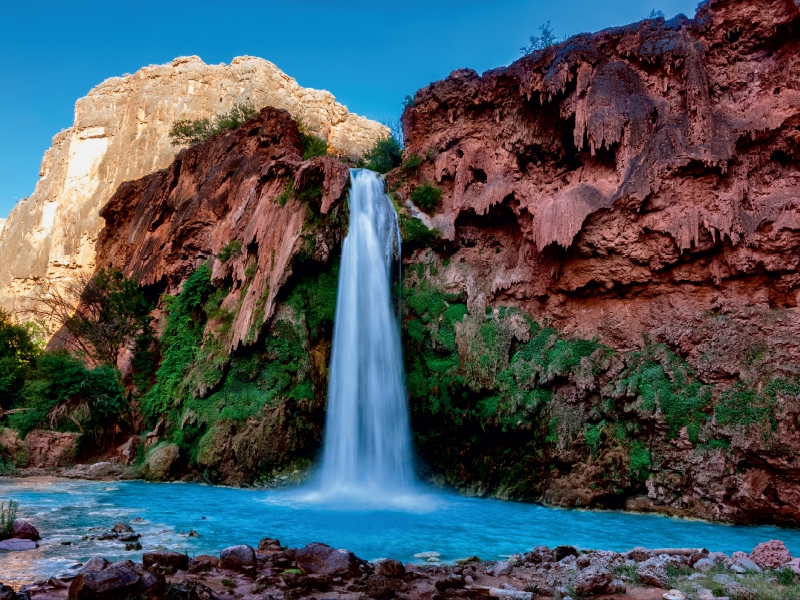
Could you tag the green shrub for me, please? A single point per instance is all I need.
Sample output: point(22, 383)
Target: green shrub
point(287, 191)
point(8, 514)
point(232, 248)
point(64, 394)
point(18, 353)
point(411, 164)
point(409, 101)
point(640, 460)
point(415, 234)
point(384, 156)
point(313, 145)
point(427, 197)
point(545, 39)
point(190, 132)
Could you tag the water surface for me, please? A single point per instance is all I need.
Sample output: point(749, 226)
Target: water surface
point(66, 510)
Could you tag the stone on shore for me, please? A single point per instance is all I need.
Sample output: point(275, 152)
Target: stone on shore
point(653, 572)
point(771, 555)
point(744, 564)
point(592, 580)
point(17, 545)
point(321, 559)
point(561, 552)
point(168, 562)
point(390, 568)
point(161, 461)
point(22, 530)
point(501, 568)
point(113, 582)
point(95, 564)
point(238, 558)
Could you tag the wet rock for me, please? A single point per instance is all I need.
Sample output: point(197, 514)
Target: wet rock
point(108, 535)
point(165, 562)
point(321, 559)
point(114, 582)
point(592, 580)
point(17, 545)
point(269, 544)
point(120, 527)
point(129, 537)
point(561, 552)
point(653, 572)
point(238, 558)
point(390, 568)
point(22, 530)
point(133, 546)
point(769, 555)
point(501, 568)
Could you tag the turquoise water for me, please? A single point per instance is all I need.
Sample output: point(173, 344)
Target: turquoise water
point(66, 510)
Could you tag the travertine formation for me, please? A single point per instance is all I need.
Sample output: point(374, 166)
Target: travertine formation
point(120, 134)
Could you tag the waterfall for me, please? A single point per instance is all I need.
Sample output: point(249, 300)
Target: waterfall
point(367, 447)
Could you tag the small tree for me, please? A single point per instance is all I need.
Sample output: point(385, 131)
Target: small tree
point(192, 131)
point(545, 39)
point(104, 313)
point(656, 14)
point(18, 352)
point(384, 156)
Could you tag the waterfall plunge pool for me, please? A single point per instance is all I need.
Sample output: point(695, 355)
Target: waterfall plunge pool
point(66, 510)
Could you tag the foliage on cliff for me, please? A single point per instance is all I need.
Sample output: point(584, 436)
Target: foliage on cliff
point(193, 131)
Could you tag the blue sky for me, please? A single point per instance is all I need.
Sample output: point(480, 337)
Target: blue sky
point(368, 54)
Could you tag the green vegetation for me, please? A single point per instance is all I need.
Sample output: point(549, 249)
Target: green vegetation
point(411, 163)
point(655, 14)
point(427, 196)
point(409, 101)
point(313, 145)
point(190, 132)
point(545, 39)
point(287, 192)
point(769, 585)
point(743, 406)
point(384, 156)
point(415, 234)
point(8, 514)
point(232, 248)
point(18, 353)
point(640, 461)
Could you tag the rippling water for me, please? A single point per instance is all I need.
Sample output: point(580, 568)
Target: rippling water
point(66, 510)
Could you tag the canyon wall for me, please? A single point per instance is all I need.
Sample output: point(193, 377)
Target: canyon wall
point(120, 134)
point(636, 194)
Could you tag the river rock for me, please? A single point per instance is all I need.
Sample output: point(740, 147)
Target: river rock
point(501, 568)
point(653, 572)
point(390, 568)
point(17, 545)
point(561, 552)
point(379, 587)
point(450, 582)
point(94, 564)
point(167, 562)
point(540, 554)
point(771, 554)
point(238, 558)
point(592, 580)
point(639, 554)
point(161, 461)
point(6, 592)
point(120, 527)
point(22, 530)
point(114, 582)
point(704, 565)
point(723, 578)
point(744, 564)
point(674, 595)
point(321, 559)
point(269, 544)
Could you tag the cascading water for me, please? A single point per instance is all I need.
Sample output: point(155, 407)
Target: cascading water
point(367, 448)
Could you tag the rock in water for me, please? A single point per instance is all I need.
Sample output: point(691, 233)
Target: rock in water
point(238, 558)
point(23, 530)
point(121, 527)
point(320, 559)
point(15, 545)
point(120, 134)
point(771, 555)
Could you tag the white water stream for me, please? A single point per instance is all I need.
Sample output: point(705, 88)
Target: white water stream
point(367, 447)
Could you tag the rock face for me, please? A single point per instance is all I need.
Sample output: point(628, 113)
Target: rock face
point(120, 134)
point(51, 448)
point(639, 187)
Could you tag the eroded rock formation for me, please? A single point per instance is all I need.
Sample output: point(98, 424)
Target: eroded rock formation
point(120, 134)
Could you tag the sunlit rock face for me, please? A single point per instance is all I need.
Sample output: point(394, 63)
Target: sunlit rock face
point(120, 134)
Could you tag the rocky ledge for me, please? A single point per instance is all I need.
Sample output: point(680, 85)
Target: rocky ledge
point(320, 571)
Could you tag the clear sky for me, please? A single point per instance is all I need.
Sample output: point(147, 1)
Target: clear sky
point(368, 54)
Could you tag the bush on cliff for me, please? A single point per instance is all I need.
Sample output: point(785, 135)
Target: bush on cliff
point(427, 196)
point(384, 156)
point(192, 131)
point(313, 145)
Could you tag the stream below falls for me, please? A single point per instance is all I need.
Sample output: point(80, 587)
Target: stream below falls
point(66, 510)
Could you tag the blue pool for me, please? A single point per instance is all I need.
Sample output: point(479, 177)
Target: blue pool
point(66, 510)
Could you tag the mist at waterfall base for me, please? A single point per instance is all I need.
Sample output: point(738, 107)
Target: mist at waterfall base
point(366, 456)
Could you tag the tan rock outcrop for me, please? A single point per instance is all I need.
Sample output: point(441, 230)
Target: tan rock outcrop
point(121, 134)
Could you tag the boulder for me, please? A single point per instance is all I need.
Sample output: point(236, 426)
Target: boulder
point(51, 448)
point(128, 451)
point(238, 558)
point(704, 565)
point(161, 462)
point(269, 544)
point(6, 592)
point(561, 552)
point(639, 554)
point(390, 568)
point(22, 530)
point(114, 582)
point(592, 580)
point(166, 562)
point(379, 587)
point(450, 582)
point(771, 555)
point(540, 554)
point(94, 564)
point(17, 545)
point(121, 527)
point(321, 559)
point(744, 564)
point(653, 572)
point(501, 568)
